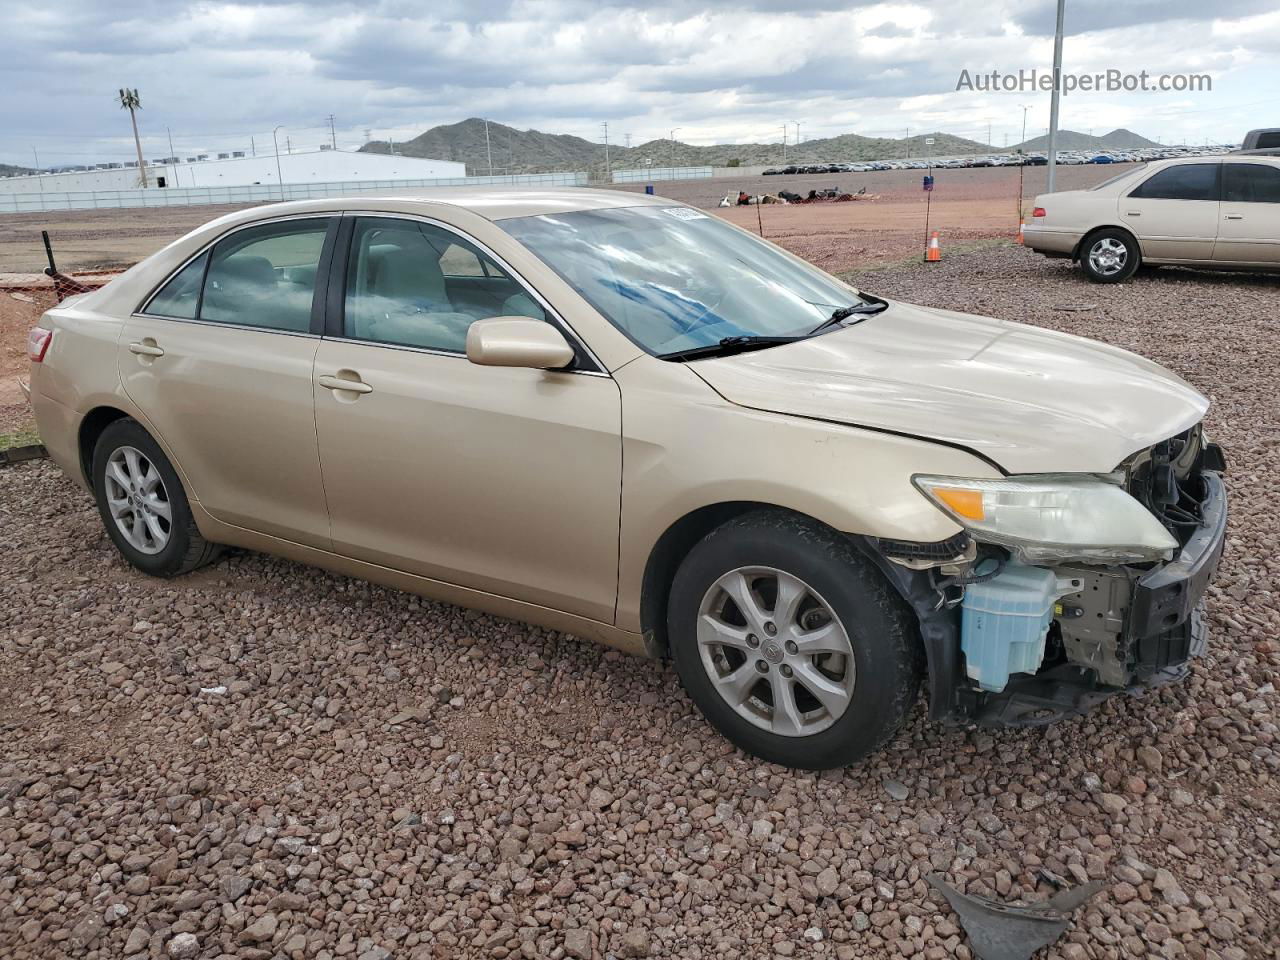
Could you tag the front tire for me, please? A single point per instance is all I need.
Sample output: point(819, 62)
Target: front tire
point(143, 505)
point(791, 643)
point(1110, 256)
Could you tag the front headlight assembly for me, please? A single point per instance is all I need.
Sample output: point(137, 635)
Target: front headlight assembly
point(1053, 517)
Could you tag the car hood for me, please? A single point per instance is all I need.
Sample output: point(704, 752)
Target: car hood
point(1031, 400)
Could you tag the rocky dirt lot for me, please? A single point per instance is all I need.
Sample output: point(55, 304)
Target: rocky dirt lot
point(265, 761)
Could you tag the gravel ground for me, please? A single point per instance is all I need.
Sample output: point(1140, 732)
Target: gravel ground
point(266, 761)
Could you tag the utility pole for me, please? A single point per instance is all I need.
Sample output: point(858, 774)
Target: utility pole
point(797, 123)
point(784, 144)
point(673, 152)
point(989, 143)
point(279, 175)
point(253, 148)
point(608, 170)
point(288, 144)
point(628, 136)
point(1053, 101)
point(333, 136)
point(172, 154)
point(39, 182)
point(907, 142)
point(487, 148)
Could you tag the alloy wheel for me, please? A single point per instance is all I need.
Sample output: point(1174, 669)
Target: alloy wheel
point(775, 651)
point(138, 501)
point(1108, 256)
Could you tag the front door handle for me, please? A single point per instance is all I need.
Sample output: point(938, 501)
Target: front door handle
point(342, 383)
point(1234, 216)
point(146, 348)
point(1134, 213)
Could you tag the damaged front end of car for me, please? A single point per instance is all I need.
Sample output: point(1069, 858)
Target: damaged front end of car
point(1063, 590)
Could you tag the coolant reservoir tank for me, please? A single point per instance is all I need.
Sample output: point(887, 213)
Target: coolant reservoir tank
point(1004, 622)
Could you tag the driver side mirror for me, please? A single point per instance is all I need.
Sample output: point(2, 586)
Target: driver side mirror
point(517, 342)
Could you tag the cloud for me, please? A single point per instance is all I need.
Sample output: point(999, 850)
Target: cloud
point(216, 74)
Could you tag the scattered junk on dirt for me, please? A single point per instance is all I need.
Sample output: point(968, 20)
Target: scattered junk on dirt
point(828, 195)
point(1013, 931)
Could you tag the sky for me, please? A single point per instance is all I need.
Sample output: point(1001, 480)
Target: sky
point(220, 76)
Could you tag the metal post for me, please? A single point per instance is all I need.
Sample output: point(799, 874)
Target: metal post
point(487, 149)
point(171, 153)
point(279, 174)
point(608, 170)
point(1053, 102)
point(907, 142)
point(673, 152)
point(784, 144)
point(39, 182)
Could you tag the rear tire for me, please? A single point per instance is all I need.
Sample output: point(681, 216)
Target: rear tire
point(142, 503)
point(811, 595)
point(1110, 256)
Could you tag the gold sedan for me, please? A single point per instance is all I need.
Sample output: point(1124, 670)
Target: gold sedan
point(626, 419)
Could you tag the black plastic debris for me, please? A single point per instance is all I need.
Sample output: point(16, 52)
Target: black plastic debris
point(1003, 931)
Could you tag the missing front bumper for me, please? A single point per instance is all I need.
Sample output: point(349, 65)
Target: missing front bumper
point(1133, 630)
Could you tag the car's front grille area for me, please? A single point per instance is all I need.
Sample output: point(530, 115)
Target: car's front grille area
point(1168, 479)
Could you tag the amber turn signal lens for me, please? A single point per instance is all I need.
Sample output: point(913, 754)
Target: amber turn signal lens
point(966, 503)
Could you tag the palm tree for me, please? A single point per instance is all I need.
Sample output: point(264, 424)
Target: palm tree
point(129, 100)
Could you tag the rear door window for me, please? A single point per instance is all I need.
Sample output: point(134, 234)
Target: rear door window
point(265, 276)
point(1188, 181)
point(1251, 183)
point(180, 297)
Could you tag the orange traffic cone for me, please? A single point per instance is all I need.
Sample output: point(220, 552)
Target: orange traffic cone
point(1021, 225)
point(934, 253)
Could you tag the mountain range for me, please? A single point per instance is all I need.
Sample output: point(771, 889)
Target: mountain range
point(508, 150)
point(1120, 139)
point(531, 151)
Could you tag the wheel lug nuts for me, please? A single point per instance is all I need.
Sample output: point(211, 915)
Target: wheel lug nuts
point(762, 666)
point(791, 647)
point(770, 629)
point(786, 671)
point(753, 640)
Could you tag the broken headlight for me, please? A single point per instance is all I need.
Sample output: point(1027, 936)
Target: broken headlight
point(1053, 517)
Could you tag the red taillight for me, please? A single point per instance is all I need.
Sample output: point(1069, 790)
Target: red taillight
point(38, 341)
point(1039, 212)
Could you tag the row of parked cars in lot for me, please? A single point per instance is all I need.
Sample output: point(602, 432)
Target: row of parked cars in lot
point(1036, 159)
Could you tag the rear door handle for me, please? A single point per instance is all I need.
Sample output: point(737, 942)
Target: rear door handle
point(146, 348)
point(342, 383)
point(1134, 213)
point(1234, 216)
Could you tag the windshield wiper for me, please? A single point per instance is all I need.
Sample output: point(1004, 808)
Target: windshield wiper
point(727, 346)
point(839, 316)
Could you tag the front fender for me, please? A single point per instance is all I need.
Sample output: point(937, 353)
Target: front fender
point(685, 449)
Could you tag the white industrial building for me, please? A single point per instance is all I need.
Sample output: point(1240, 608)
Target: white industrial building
point(312, 166)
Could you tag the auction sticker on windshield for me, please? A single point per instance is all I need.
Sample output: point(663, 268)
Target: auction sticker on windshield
point(684, 213)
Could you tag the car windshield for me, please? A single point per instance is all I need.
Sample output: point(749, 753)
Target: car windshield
point(675, 279)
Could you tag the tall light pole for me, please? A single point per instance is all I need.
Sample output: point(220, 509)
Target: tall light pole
point(1053, 102)
point(175, 166)
point(673, 152)
point(279, 175)
point(488, 149)
point(797, 123)
point(608, 170)
point(784, 144)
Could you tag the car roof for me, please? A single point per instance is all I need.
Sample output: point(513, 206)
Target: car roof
point(490, 202)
